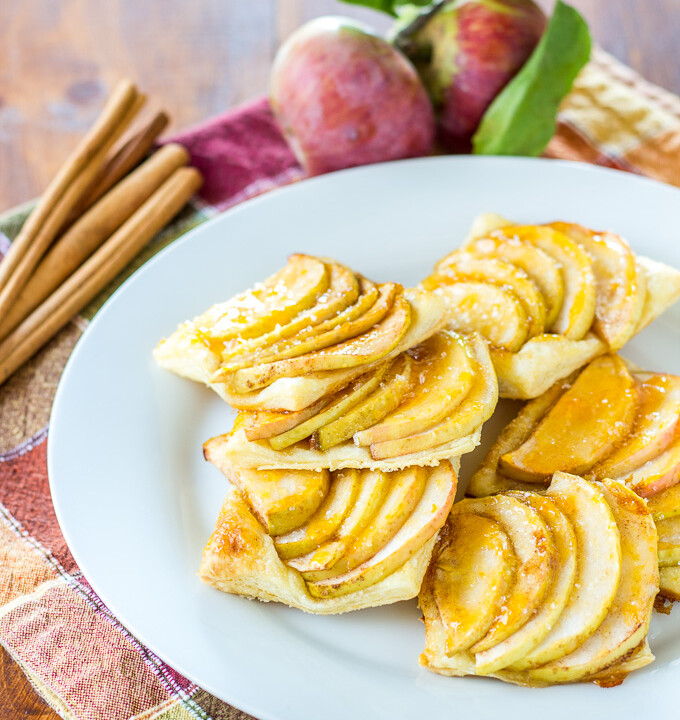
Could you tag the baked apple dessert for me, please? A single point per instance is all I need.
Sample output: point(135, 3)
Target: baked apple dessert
point(543, 588)
point(331, 370)
point(328, 542)
point(549, 298)
point(604, 421)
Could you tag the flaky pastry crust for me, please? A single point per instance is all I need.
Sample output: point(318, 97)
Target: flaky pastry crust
point(237, 449)
point(240, 558)
point(547, 358)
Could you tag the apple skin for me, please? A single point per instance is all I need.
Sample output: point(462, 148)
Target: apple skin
point(466, 53)
point(344, 97)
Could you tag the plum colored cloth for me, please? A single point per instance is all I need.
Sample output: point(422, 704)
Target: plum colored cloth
point(240, 154)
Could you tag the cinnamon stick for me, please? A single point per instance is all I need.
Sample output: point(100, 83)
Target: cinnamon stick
point(70, 183)
point(96, 272)
point(128, 156)
point(91, 230)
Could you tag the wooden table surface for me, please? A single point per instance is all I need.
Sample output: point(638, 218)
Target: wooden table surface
point(59, 58)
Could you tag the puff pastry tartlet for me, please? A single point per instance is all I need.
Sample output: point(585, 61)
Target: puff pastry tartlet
point(549, 298)
point(330, 370)
point(537, 589)
point(604, 421)
point(328, 542)
point(425, 406)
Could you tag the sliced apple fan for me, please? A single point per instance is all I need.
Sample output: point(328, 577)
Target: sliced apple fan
point(424, 406)
point(549, 298)
point(314, 324)
point(328, 542)
point(602, 422)
point(537, 589)
point(606, 422)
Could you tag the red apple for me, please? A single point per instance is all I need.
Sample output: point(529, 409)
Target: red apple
point(466, 52)
point(343, 96)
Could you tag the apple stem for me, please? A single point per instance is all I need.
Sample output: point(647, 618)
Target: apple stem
point(402, 40)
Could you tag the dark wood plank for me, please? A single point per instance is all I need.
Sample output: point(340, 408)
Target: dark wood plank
point(59, 60)
point(18, 699)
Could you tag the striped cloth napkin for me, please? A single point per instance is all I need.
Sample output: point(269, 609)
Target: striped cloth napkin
point(75, 652)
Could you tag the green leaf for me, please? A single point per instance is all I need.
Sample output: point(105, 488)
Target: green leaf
point(522, 118)
point(391, 7)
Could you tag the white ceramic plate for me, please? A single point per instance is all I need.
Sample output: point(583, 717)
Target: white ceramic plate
point(137, 502)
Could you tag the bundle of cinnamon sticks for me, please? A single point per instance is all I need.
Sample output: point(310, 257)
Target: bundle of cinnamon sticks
point(92, 220)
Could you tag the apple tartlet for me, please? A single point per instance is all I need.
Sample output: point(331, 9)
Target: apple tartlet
point(304, 333)
point(549, 298)
point(330, 370)
point(328, 542)
point(539, 589)
point(605, 421)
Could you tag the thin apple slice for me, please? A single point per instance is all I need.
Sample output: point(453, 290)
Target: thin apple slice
point(371, 409)
point(522, 641)
point(665, 504)
point(327, 518)
point(359, 389)
point(425, 521)
point(374, 487)
point(274, 302)
point(303, 344)
point(487, 479)
point(472, 412)
point(669, 541)
point(620, 286)
point(469, 577)
point(268, 424)
point(669, 554)
point(406, 489)
point(281, 499)
point(369, 295)
point(462, 266)
point(494, 312)
point(343, 291)
point(578, 306)
point(598, 568)
point(369, 347)
point(445, 371)
point(583, 426)
point(538, 265)
point(656, 422)
point(658, 474)
point(535, 554)
point(626, 624)
point(669, 583)
point(325, 332)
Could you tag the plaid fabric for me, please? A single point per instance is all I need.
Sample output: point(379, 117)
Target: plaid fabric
point(77, 655)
